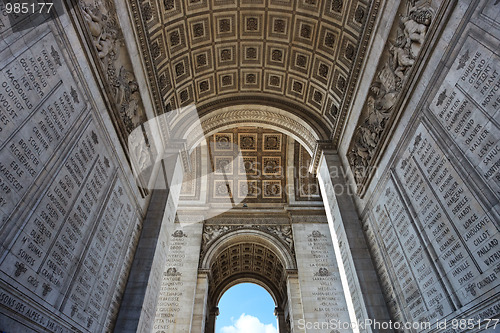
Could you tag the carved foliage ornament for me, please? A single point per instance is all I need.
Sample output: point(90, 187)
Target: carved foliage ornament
point(256, 115)
point(179, 234)
point(323, 271)
point(212, 232)
point(402, 51)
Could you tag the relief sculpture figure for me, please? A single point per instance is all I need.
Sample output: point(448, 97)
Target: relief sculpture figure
point(107, 39)
point(386, 87)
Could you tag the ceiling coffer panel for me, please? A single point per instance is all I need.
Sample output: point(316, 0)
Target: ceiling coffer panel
point(297, 54)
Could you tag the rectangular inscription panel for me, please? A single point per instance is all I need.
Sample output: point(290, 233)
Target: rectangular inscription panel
point(460, 229)
point(321, 288)
point(39, 105)
point(468, 107)
point(66, 218)
point(424, 298)
point(175, 303)
point(383, 268)
point(436, 244)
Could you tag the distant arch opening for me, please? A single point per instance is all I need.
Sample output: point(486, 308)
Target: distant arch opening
point(248, 256)
point(247, 307)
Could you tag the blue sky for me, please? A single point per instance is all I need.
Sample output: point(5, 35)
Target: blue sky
point(246, 308)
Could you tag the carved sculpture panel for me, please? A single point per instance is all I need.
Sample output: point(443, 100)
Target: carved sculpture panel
point(400, 55)
point(212, 232)
point(111, 54)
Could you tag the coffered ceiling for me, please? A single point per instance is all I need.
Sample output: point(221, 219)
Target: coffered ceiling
point(298, 55)
point(249, 260)
point(261, 175)
point(262, 165)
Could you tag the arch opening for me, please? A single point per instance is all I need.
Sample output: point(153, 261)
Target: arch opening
point(247, 256)
point(247, 305)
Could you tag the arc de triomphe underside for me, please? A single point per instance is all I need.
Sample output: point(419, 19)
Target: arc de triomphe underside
point(343, 155)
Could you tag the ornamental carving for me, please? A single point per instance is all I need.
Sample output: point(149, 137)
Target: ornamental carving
point(213, 232)
point(401, 53)
point(316, 234)
point(179, 234)
point(322, 272)
point(255, 115)
point(107, 38)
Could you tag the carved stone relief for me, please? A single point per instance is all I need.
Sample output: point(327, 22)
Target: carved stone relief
point(400, 55)
point(107, 38)
point(212, 232)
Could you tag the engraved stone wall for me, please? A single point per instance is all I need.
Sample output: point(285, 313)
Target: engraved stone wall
point(320, 285)
point(433, 221)
point(467, 106)
point(69, 222)
point(439, 240)
point(262, 168)
point(175, 301)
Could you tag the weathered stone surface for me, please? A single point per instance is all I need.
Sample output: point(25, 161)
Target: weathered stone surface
point(321, 288)
point(179, 280)
point(68, 225)
point(467, 106)
point(439, 241)
point(71, 226)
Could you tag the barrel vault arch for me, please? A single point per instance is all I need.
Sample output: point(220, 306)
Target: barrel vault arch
point(248, 255)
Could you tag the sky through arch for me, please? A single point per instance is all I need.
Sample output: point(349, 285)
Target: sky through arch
point(246, 308)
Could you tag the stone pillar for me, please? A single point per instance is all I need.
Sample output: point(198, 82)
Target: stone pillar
point(177, 299)
point(200, 303)
point(294, 302)
point(359, 279)
point(212, 317)
point(138, 306)
point(323, 299)
point(280, 314)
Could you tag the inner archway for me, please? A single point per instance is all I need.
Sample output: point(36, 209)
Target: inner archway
point(246, 307)
point(275, 239)
point(247, 256)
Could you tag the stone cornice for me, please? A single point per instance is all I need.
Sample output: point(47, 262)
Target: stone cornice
point(355, 72)
point(321, 145)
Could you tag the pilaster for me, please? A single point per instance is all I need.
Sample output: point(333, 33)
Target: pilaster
point(358, 273)
point(140, 299)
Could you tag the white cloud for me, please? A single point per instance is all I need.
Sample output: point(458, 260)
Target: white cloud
point(249, 324)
